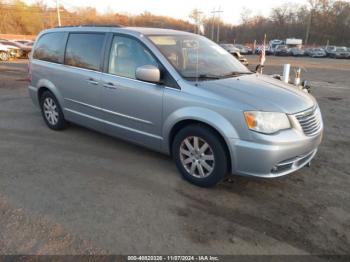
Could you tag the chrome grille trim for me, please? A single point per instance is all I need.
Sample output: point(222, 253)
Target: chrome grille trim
point(310, 121)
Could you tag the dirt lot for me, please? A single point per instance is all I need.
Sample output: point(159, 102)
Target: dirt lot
point(81, 192)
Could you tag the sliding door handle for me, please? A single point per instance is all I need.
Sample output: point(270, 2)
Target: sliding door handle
point(92, 81)
point(109, 85)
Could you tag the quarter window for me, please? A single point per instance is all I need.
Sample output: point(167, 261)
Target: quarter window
point(126, 55)
point(50, 47)
point(84, 50)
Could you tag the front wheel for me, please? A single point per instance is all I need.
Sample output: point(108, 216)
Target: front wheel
point(4, 56)
point(200, 155)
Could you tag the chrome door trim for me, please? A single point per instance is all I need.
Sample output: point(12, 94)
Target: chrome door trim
point(113, 124)
point(110, 112)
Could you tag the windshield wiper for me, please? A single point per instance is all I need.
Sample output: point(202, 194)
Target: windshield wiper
point(234, 73)
point(208, 76)
point(204, 76)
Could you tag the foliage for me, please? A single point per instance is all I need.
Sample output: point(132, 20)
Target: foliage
point(328, 20)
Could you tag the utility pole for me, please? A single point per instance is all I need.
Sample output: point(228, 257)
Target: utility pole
point(218, 30)
point(212, 26)
point(58, 13)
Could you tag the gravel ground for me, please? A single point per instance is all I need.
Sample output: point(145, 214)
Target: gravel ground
point(81, 192)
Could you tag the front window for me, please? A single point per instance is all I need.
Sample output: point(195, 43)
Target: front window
point(196, 57)
point(127, 54)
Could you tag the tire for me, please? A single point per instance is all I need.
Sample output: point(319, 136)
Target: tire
point(208, 167)
point(51, 111)
point(4, 56)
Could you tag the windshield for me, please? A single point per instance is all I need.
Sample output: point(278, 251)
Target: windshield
point(196, 57)
point(341, 49)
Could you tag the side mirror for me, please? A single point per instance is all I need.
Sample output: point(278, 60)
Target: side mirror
point(148, 73)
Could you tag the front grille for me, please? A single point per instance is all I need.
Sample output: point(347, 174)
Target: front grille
point(292, 163)
point(310, 121)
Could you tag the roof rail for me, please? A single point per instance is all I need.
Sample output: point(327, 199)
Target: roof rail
point(89, 25)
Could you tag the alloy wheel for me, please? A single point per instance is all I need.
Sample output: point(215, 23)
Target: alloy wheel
point(50, 110)
point(197, 157)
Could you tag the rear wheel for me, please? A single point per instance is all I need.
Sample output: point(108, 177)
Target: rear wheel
point(4, 56)
point(51, 111)
point(200, 155)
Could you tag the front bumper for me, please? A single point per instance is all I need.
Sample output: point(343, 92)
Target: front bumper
point(290, 151)
point(341, 56)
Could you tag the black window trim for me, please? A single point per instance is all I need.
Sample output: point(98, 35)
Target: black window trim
point(107, 57)
point(101, 54)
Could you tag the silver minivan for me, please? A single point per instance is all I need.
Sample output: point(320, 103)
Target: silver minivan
point(177, 93)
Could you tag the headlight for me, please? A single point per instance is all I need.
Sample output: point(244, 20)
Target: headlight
point(266, 122)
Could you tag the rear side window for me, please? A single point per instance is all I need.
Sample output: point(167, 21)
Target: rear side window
point(84, 50)
point(50, 47)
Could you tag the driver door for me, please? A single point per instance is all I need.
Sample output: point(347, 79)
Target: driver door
point(132, 108)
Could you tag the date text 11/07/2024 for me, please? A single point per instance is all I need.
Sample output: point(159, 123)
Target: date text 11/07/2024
point(173, 258)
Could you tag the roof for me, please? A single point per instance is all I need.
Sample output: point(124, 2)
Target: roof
point(107, 28)
point(156, 31)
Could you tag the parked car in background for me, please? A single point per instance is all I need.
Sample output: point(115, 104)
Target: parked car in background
point(243, 49)
point(330, 49)
point(15, 52)
point(235, 52)
point(296, 51)
point(307, 51)
point(317, 52)
point(269, 50)
point(24, 49)
point(138, 85)
point(24, 42)
point(4, 53)
point(281, 50)
point(338, 52)
point(272, 45)
point(250, 50)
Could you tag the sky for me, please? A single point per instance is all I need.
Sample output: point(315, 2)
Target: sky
point(232, 9)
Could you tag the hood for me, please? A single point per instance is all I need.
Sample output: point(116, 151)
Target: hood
point(261, 92)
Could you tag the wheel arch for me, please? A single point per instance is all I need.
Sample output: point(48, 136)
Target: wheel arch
point(212, 120)
point(46, 85)
point(183, 123)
